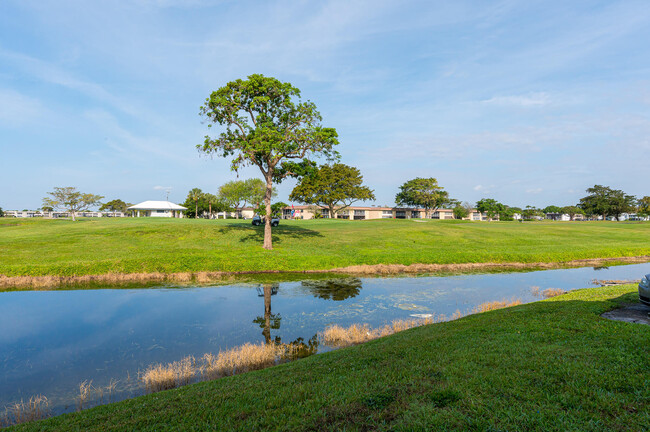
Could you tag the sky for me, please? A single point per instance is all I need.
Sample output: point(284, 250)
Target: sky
point(527, 102)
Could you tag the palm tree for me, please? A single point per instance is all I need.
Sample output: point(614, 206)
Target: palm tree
point(195, 195)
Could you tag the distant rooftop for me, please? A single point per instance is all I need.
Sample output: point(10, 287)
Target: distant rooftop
point(157, 205)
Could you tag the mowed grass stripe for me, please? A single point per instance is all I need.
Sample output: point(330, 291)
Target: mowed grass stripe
point(99, 246)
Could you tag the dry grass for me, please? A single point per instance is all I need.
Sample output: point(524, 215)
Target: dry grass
point(84, 391)
point(160, 377)
point(202, 277)
point(552, 292)
point(245, 358)
point(610, 282)
point(238, 360)
point(338, 337)
point(472, 267)
point(494, 305)
point(37, 408)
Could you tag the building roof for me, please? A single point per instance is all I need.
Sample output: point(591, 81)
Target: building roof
point(157, 205)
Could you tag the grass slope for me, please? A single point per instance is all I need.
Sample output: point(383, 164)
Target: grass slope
point(554, 365)
point(99, 246)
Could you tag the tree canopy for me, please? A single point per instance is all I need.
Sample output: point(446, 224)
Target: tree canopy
point(491, 207)
point(422, 192)
point(267, 125)
point(643, 206)
point(461, 211)
point(116, 205)
point(71, 200)
point(552, 209)
point(194, 196)
point(605, 201)
point(572, 211)
point(335, 187)
point(237, 193)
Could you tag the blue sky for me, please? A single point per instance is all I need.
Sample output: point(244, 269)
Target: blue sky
point(528, 102)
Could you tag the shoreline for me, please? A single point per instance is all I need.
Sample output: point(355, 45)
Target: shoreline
point(202, 277)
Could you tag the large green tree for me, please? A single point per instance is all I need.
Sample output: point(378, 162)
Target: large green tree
point(491, 207)
point(422, 192)
point(116, 205)
point(605, 201)
point(643, 206)
point(334, 187)
point(267, 125)
point(461, 211)
point(2, 213)
point(237, 193)
point(572, 211)
point(71, 200)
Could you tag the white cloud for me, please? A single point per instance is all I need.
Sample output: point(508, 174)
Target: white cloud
point(529, 100)
point(534, 191)
point(162, 188)
point(17, 109)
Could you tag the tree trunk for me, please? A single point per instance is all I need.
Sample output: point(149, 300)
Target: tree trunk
point(267, 313)
point(73, 218)
point(268, 239)
point(332, 215)
point(196, 210)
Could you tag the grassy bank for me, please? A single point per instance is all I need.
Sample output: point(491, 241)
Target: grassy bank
point(551, 365)
point(101, 246)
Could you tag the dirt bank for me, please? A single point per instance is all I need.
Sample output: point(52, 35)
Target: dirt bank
point(52, 282)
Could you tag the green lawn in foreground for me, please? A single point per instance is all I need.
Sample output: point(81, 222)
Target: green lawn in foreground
point(97, 246)
point(554, 365)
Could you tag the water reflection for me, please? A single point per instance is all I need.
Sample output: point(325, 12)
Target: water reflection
point(54, 340)
point(297, 348)
point(337, 289)
point(268, 321)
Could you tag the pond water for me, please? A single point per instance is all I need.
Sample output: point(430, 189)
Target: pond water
point(53, 340)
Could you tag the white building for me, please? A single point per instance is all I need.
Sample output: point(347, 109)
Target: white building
point(158, 209)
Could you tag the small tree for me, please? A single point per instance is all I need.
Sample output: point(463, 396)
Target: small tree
point(552, 209)
point(2, 213)
point(237, 193)
point(605, 201)
point(490, 207)
point(116, 205)
point(276, 209)
point(268, 128)
point(422, 192)
point(194, 196)
point(643, 207)
point(572, 211)
point(530, 212)
point(71, 200)
point(335, 187)
point(460, 211)
point(213, 203)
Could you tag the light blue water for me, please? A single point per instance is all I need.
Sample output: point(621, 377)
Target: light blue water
point(50, 341)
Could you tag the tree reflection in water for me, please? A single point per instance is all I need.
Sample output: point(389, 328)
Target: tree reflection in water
point(336, 289)
point(270, 321)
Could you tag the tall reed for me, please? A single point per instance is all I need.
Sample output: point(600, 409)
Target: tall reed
point(160, 376)
point(36, 408)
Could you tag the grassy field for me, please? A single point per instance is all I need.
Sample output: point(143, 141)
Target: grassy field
point(554, 365)
point(99, 246)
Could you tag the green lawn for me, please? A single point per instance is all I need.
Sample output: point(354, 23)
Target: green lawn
point(554, 365)
point(99, 246)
